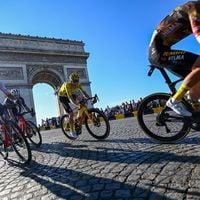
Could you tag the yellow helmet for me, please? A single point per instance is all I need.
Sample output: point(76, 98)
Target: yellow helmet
point(74, 76)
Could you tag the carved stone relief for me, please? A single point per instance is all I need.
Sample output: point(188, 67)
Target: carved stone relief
point(44, 58)
point(32, 70)
point(11, 73)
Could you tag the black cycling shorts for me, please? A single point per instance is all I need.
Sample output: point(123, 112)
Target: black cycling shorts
point(177, 61)
point(65, 102)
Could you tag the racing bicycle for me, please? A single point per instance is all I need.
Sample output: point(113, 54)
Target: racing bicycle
point(12, 138)
point(159, 121)
point(29, 129)
point(95, 121)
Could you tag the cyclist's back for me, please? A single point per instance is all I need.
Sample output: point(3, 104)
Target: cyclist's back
point(172, 29)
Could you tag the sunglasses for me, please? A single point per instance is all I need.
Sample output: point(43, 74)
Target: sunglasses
point(75, 81)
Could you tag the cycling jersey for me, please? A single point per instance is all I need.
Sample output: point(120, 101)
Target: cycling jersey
point(68, 89)
point(182, 22)
point(178, 25)
point(18, 105)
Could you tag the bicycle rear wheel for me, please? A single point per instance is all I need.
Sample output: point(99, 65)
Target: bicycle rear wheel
point(33, 133)
point(18, 142)
point(160, 122)
point(100, 127)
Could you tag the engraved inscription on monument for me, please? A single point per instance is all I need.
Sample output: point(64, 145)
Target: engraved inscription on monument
point(11, 73)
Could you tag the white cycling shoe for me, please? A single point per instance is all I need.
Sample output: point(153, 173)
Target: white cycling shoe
point(73, 135)
point(178, 107)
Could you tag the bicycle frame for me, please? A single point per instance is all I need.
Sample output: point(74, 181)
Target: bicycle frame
point(22, 123)
point(171, 84)
point(3, 118)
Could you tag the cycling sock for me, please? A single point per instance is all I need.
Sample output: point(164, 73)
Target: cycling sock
point(181, 92)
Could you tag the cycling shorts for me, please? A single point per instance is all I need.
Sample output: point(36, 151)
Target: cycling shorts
point(176, 61)
point(65, 102)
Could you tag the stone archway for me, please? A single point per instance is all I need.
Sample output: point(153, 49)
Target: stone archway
point(26, 61)
point(47, 77)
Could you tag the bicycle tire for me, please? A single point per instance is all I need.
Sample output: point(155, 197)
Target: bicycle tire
point(149, 126)
point(102, 123)
point(35, 136)
point(3, 149)
point(18, 140)
point(64, 121)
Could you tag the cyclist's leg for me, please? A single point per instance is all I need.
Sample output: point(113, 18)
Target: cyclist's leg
point(180, 63)
point(195, 92)
point(193, 80)
point(65, 103)
point(183, 61)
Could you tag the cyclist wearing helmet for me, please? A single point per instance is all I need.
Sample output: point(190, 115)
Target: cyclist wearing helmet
point(71, 92)
point(17, 105)
point(182, 22)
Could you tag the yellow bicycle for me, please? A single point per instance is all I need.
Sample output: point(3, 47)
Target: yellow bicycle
point(95, 121)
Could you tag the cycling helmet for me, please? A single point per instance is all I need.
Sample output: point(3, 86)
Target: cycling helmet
point(15, 92)
point(74, 77)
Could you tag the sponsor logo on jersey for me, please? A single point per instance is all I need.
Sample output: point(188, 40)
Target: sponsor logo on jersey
point(178, 57)
point(173, 53)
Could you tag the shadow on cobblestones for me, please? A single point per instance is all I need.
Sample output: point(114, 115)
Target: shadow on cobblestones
point(117, 155)
point(126, 141)
point(70, 184)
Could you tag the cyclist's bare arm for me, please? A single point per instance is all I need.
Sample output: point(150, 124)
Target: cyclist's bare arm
point(194, 16)
point(6, 91)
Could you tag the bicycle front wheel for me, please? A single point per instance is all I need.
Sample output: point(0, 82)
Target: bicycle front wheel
point(99, 127)
point(18, 142)
point(33, 133)
point(160, 122)
point(64, 123)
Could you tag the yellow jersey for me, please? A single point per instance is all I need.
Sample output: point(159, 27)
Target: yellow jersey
point(68, 89)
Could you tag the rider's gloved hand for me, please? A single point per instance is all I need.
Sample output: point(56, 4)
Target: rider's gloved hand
point(93, 100)
point(32, 112)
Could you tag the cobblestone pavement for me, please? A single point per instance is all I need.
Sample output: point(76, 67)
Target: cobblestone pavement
point(127, 165)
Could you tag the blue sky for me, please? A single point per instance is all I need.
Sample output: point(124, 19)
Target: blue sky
point(116, 33)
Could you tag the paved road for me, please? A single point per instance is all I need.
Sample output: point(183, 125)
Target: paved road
point(128, 165)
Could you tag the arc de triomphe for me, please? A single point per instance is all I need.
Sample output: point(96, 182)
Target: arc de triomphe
point(26, 61)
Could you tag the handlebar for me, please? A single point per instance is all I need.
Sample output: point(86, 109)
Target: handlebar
point(93, 99)
point(150, 72)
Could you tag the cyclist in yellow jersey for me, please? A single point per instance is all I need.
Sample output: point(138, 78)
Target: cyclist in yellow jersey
point(180, 23)
point(71, 91)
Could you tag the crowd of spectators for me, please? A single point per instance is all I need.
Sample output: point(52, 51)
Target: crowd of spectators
point(50, 122)
point(126, 108)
